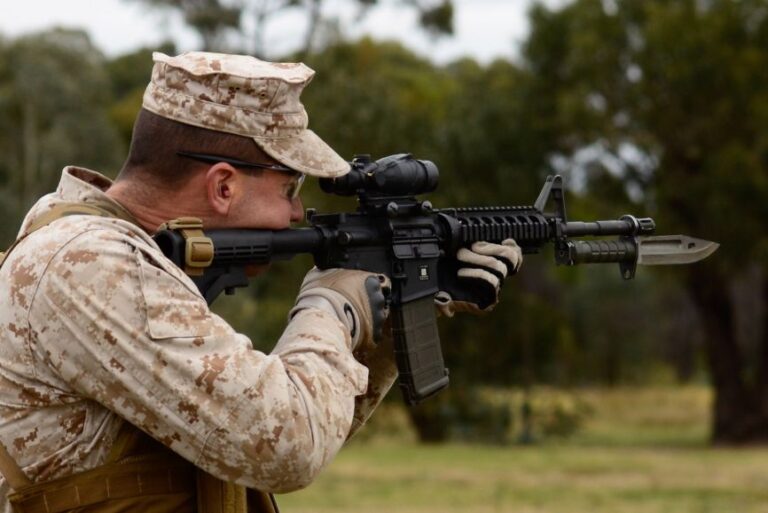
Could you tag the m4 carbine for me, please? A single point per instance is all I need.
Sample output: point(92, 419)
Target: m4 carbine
point(394, 233)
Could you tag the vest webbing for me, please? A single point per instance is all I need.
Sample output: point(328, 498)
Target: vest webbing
point(157, 482)
point(101, 208)
point(152, 483)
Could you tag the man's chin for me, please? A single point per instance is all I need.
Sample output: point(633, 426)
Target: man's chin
point(256, 270)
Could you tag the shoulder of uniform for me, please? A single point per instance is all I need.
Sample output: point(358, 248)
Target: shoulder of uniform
point(97, 227)
point(96, 235)
point(114, 242)
point(105, 234)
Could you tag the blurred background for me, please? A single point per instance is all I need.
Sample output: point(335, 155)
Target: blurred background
point(581, 392)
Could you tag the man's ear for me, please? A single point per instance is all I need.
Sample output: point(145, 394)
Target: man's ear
point(221, 185)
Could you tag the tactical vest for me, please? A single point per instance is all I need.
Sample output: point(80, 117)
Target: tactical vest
point(140, 474)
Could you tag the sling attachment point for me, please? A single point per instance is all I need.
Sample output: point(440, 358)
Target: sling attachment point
point(198, 253)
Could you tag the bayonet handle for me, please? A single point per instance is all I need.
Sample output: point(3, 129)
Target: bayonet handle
point(602, 251)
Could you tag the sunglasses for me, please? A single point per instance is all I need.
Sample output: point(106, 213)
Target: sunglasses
point(291, 189)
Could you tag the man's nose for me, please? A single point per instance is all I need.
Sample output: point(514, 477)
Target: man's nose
point(297, 210)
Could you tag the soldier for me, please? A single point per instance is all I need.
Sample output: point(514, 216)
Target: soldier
point(119, 389)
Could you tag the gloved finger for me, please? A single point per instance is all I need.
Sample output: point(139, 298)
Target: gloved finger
point(448, 307)
point(518, 253)
point(444, 304)
point(480, 285)
point(443, 298)
point(508, 252)
point(517, 256)
point(480, 274)
point(489, 263)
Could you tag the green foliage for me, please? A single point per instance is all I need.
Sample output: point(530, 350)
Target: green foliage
point(438, 19)
point(129, 74)
point(375, 98)
point(481, 415)
point(131, 71)
point(53, 98)
point(462, 414)
point(558, 415)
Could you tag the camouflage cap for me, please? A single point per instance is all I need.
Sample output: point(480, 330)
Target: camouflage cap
point(242, 95)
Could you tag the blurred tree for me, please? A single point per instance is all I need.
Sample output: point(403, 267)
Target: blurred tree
point(376, 98)
point(53, 98)
point(215, 20)
point(129, 74)
point(669, 95)
point(211, 19)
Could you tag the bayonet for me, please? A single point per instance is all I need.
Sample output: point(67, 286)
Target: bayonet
point(673, 250)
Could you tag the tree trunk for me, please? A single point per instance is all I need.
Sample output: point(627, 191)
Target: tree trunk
point(739, 412)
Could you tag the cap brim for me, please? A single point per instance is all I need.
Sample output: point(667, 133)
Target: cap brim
point(305, 152)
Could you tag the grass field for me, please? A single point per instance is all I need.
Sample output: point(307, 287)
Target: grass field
point(640, 450)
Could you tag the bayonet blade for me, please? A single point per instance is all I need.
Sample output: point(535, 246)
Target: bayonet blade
point(673, 249)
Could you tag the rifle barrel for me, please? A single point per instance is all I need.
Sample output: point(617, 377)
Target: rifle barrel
point(627, 225)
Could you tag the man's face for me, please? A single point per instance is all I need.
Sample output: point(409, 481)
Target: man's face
point(249, 194)
point(265, 201)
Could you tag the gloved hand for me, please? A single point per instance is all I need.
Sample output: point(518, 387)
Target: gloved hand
point(471, 282)
point(357, 298)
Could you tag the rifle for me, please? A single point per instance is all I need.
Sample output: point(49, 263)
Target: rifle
point(396, 234)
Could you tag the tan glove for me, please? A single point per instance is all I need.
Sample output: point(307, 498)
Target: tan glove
point(357, 298)
point(471, 282)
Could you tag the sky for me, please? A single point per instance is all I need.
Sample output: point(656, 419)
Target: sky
point(484, 29)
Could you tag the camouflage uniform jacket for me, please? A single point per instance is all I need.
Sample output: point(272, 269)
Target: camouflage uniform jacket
point(98, 326)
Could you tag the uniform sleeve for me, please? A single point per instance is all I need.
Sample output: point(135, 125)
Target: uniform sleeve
point(382, 372)
point(123, 328)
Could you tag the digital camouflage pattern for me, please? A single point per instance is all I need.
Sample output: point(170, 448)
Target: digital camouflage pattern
point(98, 326)
point(242, 95)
